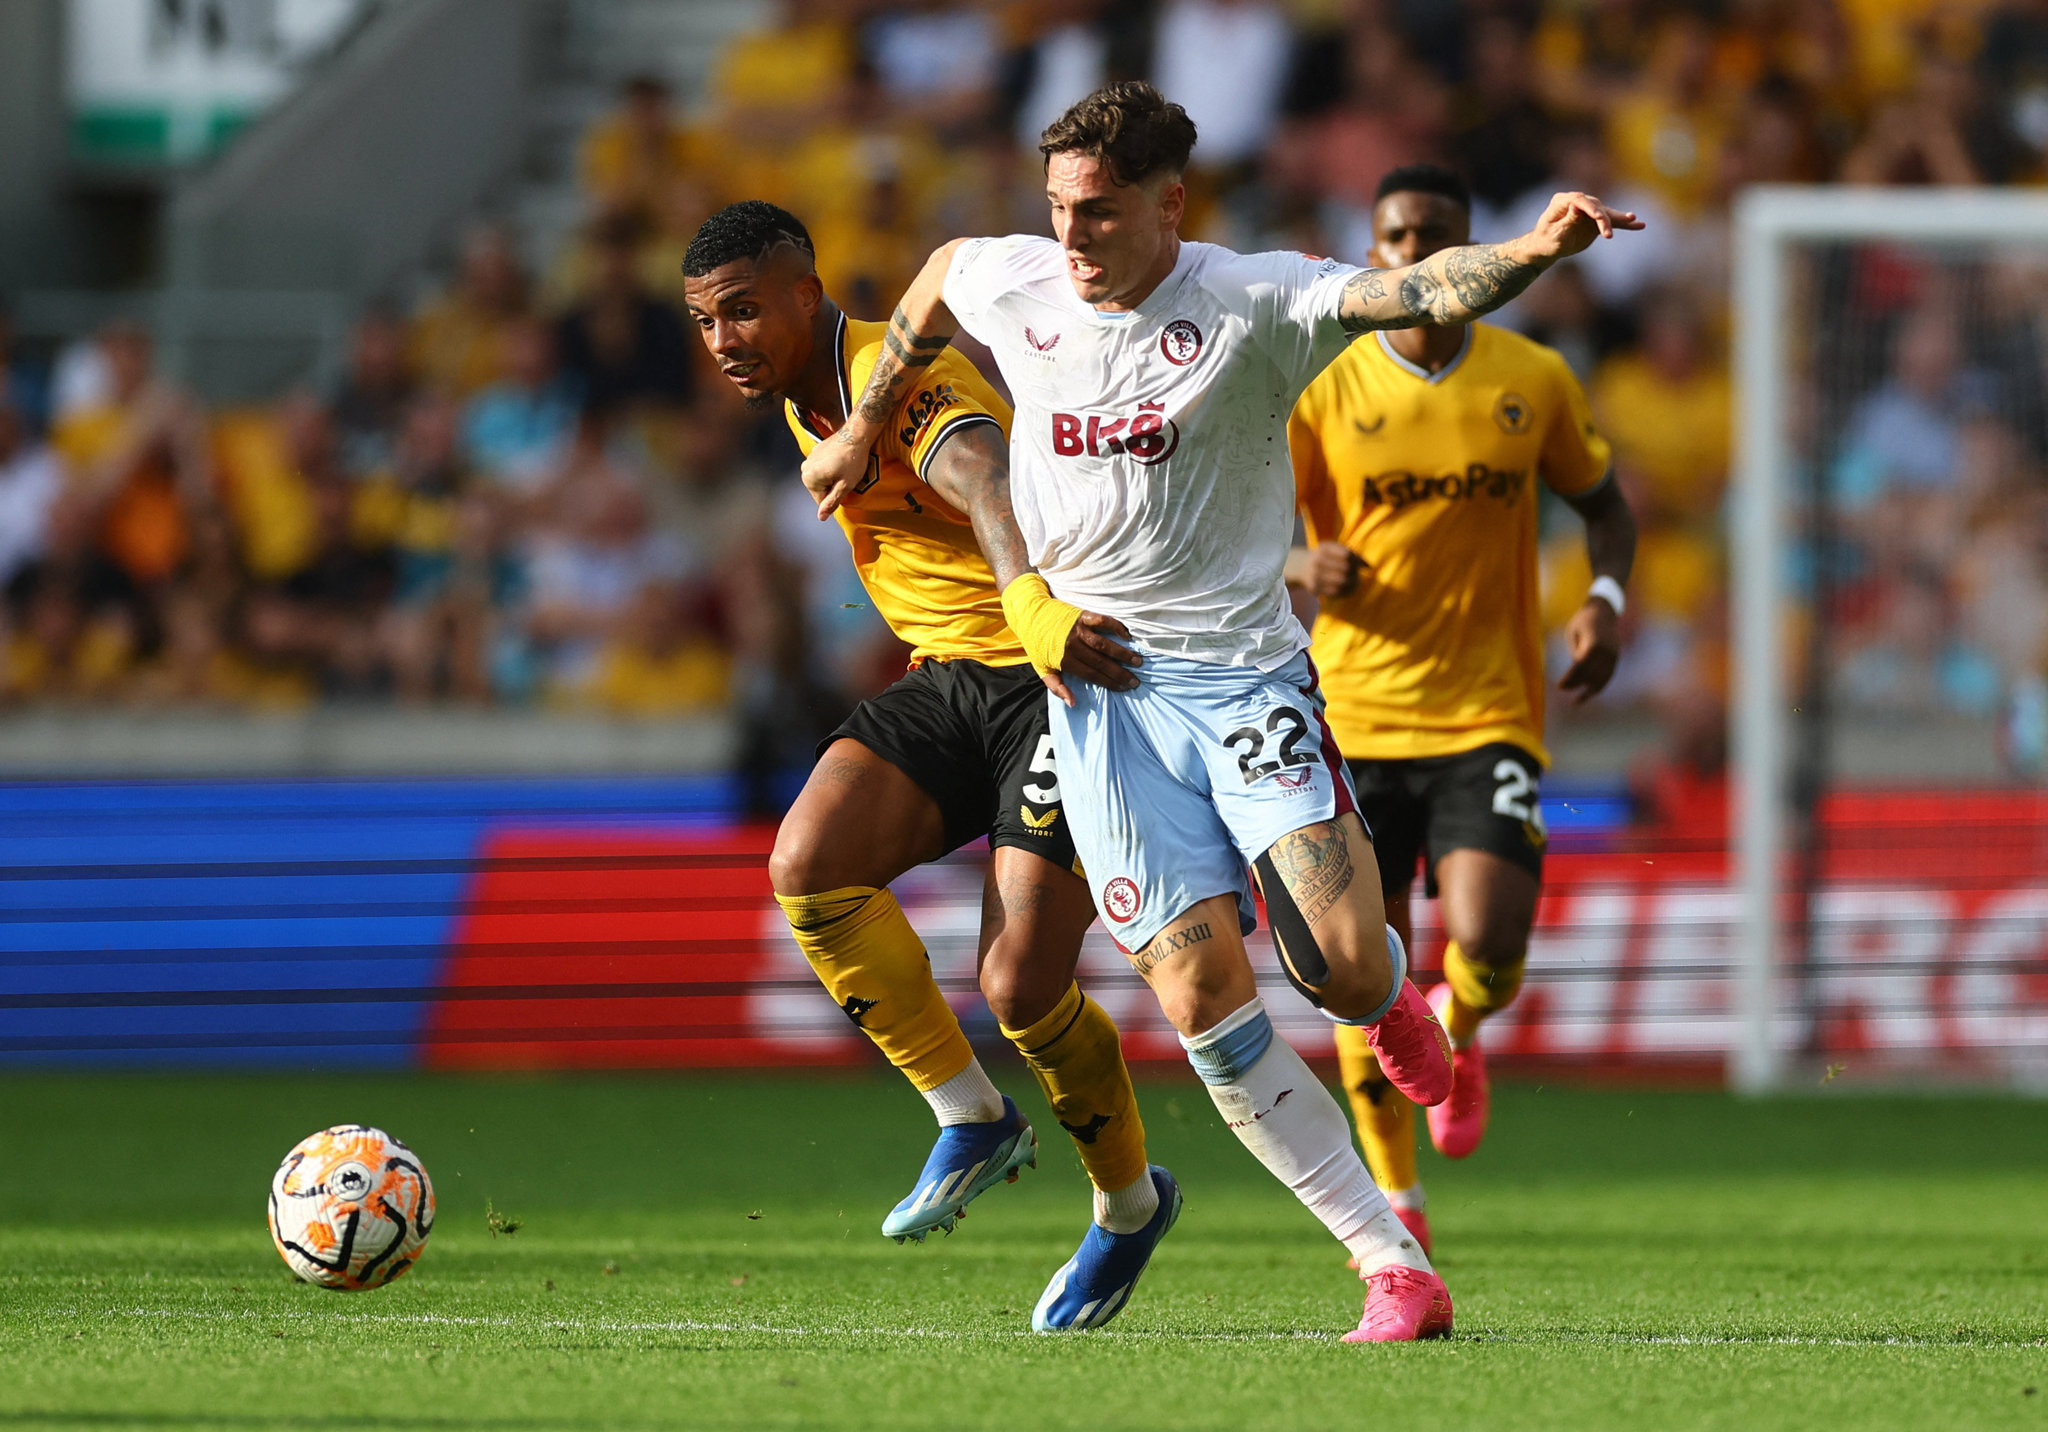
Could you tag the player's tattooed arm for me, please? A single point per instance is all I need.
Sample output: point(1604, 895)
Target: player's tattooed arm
point(1315, 865)
point(919, 331)
point(971, 470)
point(1458, 285)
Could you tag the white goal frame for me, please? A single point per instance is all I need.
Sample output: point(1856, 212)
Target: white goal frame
point(1769, 220)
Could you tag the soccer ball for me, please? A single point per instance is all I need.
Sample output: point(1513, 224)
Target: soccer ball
point(350, 1208)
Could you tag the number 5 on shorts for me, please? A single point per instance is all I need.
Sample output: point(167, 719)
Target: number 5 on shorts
point(1042, 764)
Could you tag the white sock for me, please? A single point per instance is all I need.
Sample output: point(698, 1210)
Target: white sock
point(1280, 1111)
point(1127, 1209)
point(1408, 1198)
point(966, 1098)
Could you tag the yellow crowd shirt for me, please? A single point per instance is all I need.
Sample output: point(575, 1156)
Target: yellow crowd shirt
point(917, 556)
point(1431, 478)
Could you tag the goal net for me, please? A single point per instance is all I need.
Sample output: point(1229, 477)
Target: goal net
point(1889, 564)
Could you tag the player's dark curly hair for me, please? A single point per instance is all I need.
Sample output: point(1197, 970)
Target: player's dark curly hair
point(1128, 126)
point(1424, 179)
point(750, 229)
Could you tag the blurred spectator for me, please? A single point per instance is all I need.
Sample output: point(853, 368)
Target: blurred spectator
point(1666, 407)
point(369, 407)
point(622, 345)
point(937, 62)
point(635, 158)
point(2013, 65)
point(1916, 662)
point(1394, 111)
point(24, 383)
point(137, 462)
point(266, 460)
point(457, 342)
point(775, 80)
point(1226, 62)
point(1942, 132)
point(1587, 55)
point(517, 429)
point(30, 483)
point(450, 574)
point(589, 559)
point(869, 254)
point(1665, 132)
point(321, 620)
point(659, 661)
point(1072, 49)
point(1902, 436)
point(1500, 133)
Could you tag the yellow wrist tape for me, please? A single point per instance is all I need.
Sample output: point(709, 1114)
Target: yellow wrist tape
point(1041, 620)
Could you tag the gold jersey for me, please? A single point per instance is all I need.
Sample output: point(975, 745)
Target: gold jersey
point(1431, 478)
point(916, 554)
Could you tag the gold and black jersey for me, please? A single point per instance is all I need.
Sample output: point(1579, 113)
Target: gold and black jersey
point(916, 554)
point(1431, 478)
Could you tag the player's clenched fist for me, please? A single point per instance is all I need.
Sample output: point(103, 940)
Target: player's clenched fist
point(1328, 569)
point(1594, 638)
point(832, 471)
point(1571, 222)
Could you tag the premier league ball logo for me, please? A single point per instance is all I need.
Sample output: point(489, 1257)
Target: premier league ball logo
point(1181, 343)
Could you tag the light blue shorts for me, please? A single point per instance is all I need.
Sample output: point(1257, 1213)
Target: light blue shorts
point(1173, 790)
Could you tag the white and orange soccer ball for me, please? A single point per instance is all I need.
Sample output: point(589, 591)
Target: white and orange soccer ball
point(350, 1208)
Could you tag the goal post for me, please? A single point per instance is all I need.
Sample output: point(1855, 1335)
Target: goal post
point(1772, 317)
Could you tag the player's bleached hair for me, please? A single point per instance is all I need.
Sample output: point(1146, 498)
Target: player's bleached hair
point(1424, 179)
point(1129, 127)
point(751, 229)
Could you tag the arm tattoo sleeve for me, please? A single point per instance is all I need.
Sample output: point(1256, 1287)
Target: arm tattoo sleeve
point(906, 352)
point(1452, 286)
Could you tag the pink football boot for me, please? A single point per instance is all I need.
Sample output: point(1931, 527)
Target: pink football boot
point(1403, 1305)
point(1414, 1051)
point(1458, 1124)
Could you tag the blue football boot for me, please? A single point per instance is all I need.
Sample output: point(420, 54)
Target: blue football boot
point(1100, 1278)
point(966, 1162)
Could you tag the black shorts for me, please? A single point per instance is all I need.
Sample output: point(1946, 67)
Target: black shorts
point(975, 738)
point(1485, 799)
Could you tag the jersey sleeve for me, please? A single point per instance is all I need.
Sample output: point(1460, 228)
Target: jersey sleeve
point(1315, 496)
point(1575, 455)
point(1294, 300)
point(982, 270)
point(950, 396)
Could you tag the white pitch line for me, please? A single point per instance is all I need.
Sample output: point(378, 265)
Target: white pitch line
point(693, 1325)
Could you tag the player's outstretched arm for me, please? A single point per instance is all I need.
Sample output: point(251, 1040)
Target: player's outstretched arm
point(1593, 635)
point(1458, 285)
point(971, 470)
point(919, 331)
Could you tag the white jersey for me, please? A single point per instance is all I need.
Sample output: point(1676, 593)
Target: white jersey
point(1148, 455)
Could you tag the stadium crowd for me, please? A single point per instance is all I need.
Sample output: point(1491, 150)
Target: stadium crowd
point(529, 489)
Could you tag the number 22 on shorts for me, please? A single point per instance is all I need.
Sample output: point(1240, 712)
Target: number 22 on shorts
point(1287, 727)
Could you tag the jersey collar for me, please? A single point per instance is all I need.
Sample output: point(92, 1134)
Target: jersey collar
point(1464, 350)
point(1152, 303)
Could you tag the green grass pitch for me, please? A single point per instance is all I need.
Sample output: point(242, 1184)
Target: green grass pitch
point(702, 1252)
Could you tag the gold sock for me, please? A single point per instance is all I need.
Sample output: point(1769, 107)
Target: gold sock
point(1386, 1120)
point(1078, 1059)
point(876, 969)
point(1476, 991)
